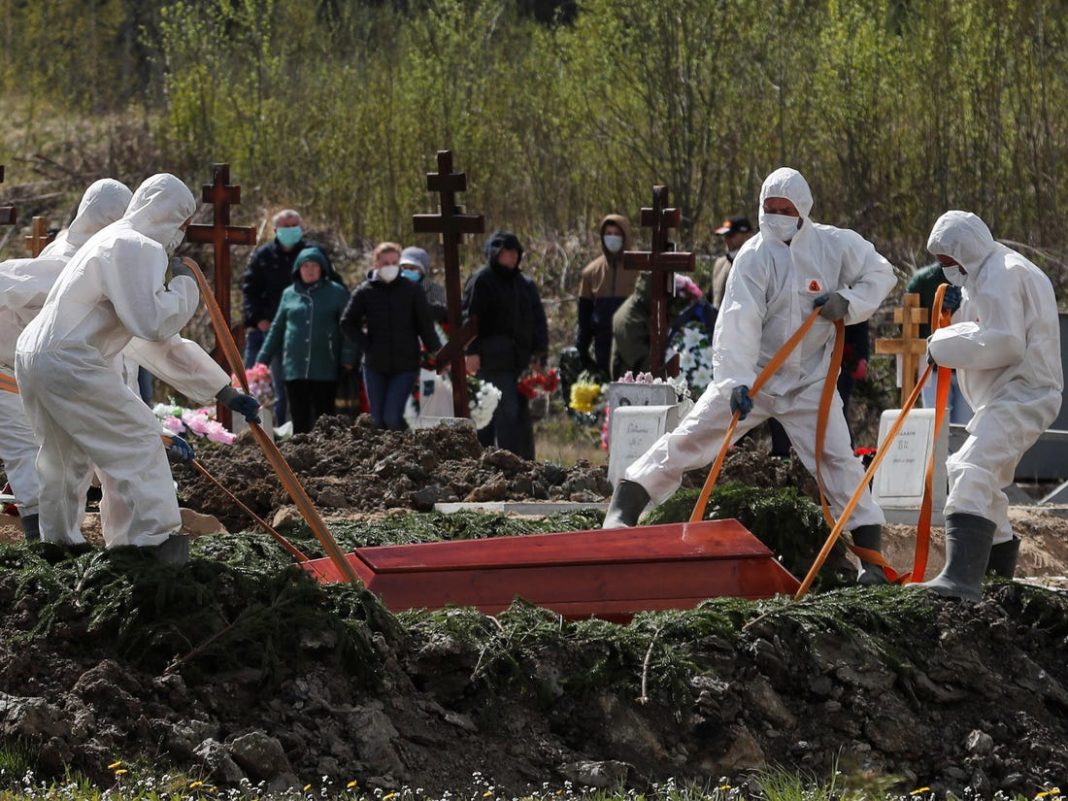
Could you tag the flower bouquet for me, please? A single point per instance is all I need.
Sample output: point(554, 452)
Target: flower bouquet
point(260, 384)
point(201, 422)
point(584, 395)
point(537, 386)
point(482, 401)
point(694, 347)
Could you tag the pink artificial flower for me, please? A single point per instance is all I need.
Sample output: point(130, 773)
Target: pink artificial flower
point(174, 425)
point(217, 433)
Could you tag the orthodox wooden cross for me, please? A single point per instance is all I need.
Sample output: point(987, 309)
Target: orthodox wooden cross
point(8, 214)
point(911, 347)
point(661, 262)
point(452, 224)
point(221, 195)
point(38, 237)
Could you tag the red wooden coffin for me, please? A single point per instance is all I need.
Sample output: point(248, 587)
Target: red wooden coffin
point(610, 574)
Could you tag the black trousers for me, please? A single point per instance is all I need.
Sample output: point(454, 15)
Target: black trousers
point(308, 401)
point(511, 428)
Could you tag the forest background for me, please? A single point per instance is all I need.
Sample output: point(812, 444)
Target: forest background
point(895, 110)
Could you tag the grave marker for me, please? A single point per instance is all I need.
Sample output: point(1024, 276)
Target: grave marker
point(634, 429)
point(898, 483)
point(452, 224)
point(8, 214)
point(39, 237)
point(221, 195)
point(911, 347)
point(661, 261)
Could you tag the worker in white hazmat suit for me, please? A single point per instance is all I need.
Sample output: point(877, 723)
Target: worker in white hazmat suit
point(24, 286)
point(111, 299)
point(779, 276)
point(1004, 342)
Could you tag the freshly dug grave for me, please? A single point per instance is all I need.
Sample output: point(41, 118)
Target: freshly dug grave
point(354, 466)
point(238, 667)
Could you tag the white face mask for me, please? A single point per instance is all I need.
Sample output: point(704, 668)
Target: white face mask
point(176, 240)
point(732, 252)
point(953, 275)
point(613, 243)
point(389, 274)
point(782, 226)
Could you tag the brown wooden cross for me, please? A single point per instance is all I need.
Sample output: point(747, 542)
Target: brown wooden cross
point(39, 236)
point(911, 347)
point(452, 224)
point(661, 262)
point(8, 214)
point(221, 195)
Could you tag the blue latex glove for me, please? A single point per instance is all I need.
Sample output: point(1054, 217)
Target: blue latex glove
point(952, 299)
point(741, 402)
point(180, 450)
point(834, 306)
point(240, 402)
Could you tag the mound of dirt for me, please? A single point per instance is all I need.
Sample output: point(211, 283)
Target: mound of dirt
point(229, 671)
point(355, 466)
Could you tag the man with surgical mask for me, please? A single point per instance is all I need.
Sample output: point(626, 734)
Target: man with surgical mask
point(779, 276)
point(605, 285)
point(736, 231)
point(268, 274)
point(111, 300)
point(1004, 342)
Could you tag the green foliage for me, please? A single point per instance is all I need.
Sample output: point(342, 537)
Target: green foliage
point(205, 618)
point(787, 522)
point(895, 111)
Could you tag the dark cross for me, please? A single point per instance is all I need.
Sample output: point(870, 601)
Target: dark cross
point(38, 237)
point(661, 262)
point(8, 214)
point(221, 195)
point(452, 224)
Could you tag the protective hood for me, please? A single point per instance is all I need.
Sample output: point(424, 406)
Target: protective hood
point(502, 240)
point(104, 202)
point(788, 183)
point(963, 237)
point(622, 222)
point(159, 206)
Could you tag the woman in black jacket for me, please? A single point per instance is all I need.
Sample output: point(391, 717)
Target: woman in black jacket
point(387, 318)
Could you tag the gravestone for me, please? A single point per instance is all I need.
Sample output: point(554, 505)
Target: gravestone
point(633, 430)
point(631, 394)
point(898, 483)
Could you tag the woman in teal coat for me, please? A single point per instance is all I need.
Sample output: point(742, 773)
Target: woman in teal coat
point(307, 330)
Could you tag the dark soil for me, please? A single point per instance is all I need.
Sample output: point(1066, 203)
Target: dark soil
point(353, 466)
point(234, 668)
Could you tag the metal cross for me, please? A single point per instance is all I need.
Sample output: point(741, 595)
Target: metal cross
point(661, 261)
point(221, 195)
point(452, 224)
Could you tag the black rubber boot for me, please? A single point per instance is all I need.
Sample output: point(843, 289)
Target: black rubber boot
point(1003, 558)
point(628, 502)
point(870, 537)
point(968, 544)
point(174, 550)
point(31, 527)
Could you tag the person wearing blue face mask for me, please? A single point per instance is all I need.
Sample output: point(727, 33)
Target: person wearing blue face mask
point(268, 274)
point(415, 266)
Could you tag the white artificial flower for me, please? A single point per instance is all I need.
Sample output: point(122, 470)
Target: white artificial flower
point(702, 377)
point(691, 337)
point(687, 361)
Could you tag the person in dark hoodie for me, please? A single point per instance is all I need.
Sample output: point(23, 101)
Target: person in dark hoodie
point(605, 285)
point(387, 318)
point(306, 334)
point(268, 274)
point(513, 336)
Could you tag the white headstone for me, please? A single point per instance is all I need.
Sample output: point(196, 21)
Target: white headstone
point(634, 429)
point(899, 481)
point(632, 394)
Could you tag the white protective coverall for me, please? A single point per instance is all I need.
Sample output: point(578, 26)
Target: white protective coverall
point(1005, 344)
point(79, 408)
point(24, 286)
point(769, 294)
